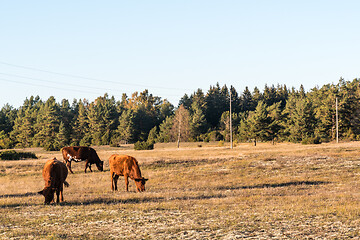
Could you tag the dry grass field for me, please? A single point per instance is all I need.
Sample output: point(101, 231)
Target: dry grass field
point(285, 191)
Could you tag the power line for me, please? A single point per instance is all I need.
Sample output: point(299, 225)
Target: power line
point(57, 88)
point(61, 88)
point(89, 78)
point(48, 81)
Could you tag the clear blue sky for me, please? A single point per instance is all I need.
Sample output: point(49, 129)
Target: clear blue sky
point(172, 47)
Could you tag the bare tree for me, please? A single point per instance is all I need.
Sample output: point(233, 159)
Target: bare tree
point(181, 127)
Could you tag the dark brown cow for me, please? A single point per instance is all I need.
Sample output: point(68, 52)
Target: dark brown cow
point(127, 166)
point(54, 174)
point(78, 154)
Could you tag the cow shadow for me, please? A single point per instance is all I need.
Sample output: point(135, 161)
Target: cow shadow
point(276, 185)
point(18, 195)
point(139, 200)
point(108, 201)
point(146, 199)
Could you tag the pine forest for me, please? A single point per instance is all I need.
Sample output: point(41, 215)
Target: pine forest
point(275, 114)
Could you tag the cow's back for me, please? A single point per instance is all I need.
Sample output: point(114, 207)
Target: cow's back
point(124, 164)
point(117, 163)
point(54, 173)
point(80, 153)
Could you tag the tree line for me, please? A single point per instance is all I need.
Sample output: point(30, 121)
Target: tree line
point(274, 114)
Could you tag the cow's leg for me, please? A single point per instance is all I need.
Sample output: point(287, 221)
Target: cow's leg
point(112, 180)
point(126, 182)
point(115, 178)
point(61, 193)
point(68, 164)
point(57, 195)
point(87, 165)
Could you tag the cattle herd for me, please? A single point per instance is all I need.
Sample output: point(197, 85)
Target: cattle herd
point(55, 171)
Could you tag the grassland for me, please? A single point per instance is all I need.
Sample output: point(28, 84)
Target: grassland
point(285, 191)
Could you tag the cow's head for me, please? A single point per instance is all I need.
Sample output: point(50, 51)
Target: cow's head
point(100, 165)
point(48, 193)
point(140, 184)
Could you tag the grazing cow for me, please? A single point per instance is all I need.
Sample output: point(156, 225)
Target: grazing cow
point(127, 166)
point(78, 154)
point(54, 174)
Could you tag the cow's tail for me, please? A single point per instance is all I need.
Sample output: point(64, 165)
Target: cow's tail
point(66, 184)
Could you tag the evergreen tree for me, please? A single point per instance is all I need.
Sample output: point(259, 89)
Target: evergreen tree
point(216, 103)
point(247, 102)
point(225, 125)
point(323, 101)
point(282, 95)
point(148, 111)
point(5, 141)
point(236, 105)
point(102, 119)
point(23, 130)
point(269, 96)
point(61, 136)
point(66, 115)
point(349, 109)
point(165, 109)
point(275, 127)
point(257, 97)
point(301, 121)
point(185, 101)
point(165, 128)
point(198, 124)
point(258, 123)
point(126, 126)
point(152, 137)
point(47, 125)
point(7, 118)
point(80, 124)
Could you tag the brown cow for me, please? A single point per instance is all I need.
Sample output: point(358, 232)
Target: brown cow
point(54, 174)
point(127, 166)
point(79, 154)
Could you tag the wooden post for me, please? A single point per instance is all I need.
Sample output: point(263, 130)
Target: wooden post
point(337, 122)
point(179, 132)
point(230, 119)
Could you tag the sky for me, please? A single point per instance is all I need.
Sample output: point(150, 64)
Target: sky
point(84, 49)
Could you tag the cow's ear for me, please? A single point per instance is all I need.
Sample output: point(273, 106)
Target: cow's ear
point(41, 192)
point(145, 179)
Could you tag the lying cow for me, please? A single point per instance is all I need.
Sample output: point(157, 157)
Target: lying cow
point(54, 174)
point(78, 154)
point(127, 166)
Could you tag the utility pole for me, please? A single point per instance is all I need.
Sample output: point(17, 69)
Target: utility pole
point(230, 118)
point(179, 132)
point(337, 121)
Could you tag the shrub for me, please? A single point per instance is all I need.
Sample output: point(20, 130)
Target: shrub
point(52, 147)
point(215, 136)
point(144, 145)
point(13, 155)
point(311, 140)
point(114, 144)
